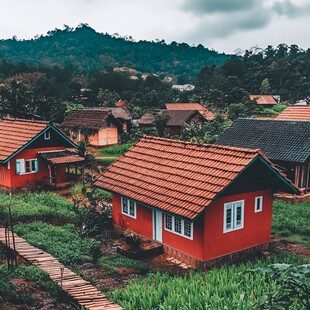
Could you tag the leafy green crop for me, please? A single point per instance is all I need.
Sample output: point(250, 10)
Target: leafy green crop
point(12, 292)
point(115, 150)
point(227, 287)
point(43, 206)
point(63, 242)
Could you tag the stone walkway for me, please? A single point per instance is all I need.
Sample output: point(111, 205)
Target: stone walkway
point(80, 290)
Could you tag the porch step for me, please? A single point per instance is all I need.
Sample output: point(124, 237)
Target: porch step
point(178, 263)
point(146, 248)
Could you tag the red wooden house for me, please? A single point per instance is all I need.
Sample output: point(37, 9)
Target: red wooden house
point(33, 152)
point(201, 201)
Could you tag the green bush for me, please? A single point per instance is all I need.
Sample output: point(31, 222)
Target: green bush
point(93, 222)
point(63, 242)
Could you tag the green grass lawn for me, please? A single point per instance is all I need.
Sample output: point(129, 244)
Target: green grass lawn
point(291, 220)
point(114, 150)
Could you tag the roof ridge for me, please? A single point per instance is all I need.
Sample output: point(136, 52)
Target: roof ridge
point(25, 120)
point(205, 145)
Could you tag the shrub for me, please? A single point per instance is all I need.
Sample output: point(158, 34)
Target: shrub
point(293, 286)
point(93, 222)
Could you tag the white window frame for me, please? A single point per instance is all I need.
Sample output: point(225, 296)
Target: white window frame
point(47, 135)
point(233, 207)
point(22, 166)
point(134, 205)
point(258, 208)
point(183, 221)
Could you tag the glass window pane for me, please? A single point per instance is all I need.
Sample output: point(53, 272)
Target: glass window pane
point(229, 218)
point(125, 205)
point(258, 205)
point(168, 222)
point(132, 208)
point(238, 216)
point(188, 229)
point(27, 166)
point(177, 225)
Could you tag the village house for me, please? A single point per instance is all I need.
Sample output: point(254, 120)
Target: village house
point(285, 142)
point(33, 153)
point(122, 114)
point(206, 114)
point(98, 126)
point(204, 203)
point(175, 120)
point(265, 101)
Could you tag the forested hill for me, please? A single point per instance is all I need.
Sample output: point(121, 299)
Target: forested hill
point(85, 50)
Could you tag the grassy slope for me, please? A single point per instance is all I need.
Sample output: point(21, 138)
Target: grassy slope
point(291, 220)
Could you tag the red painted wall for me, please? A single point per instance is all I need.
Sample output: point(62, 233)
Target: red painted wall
point(141, 225)
point(209, 240)
point(192, 247)
point(22, 180)
point(256, 230)
point(7, 176)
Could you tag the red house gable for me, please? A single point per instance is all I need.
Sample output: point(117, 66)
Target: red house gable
point(21, 145)
point(188, 195)
point(175, 176)
point(14, 134)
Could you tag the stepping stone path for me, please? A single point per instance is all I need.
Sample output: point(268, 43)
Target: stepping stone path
point(178, 263)
point(80, 290)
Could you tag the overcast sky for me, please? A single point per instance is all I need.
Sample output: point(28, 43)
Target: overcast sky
point(224, 25)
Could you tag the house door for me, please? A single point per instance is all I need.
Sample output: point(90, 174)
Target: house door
point(52, 169)
point(157, 225)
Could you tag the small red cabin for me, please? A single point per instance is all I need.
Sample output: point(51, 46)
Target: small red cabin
point(34, 152)
point(201, 201)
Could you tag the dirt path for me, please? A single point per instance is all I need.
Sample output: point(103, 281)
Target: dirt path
point(295, 248)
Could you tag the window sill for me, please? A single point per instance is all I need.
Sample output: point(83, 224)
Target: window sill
point(232, 230)
point(25, 173)
point(181, 235)
point(133, 217)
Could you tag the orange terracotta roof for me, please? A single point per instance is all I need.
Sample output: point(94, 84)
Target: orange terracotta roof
point(263, 99)
point(209, 116)
point(15, 133)
point(295, 113)
point(175, 176)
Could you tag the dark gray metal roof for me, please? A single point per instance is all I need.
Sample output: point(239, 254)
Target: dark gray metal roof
point(280, 140)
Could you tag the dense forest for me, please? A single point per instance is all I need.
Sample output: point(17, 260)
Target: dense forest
point(44, 76)
point(86, 51)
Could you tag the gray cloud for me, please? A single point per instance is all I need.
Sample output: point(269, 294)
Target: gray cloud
point(224, 18)
point(290, 10)
point(227, 25)
point(202, 7)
